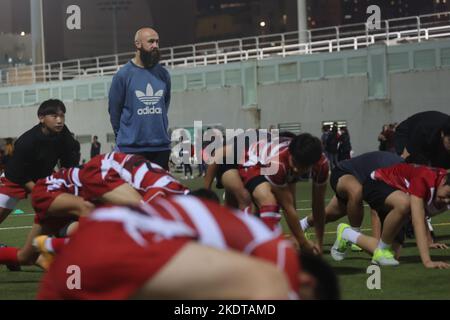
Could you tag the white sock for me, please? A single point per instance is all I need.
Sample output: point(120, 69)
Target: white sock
point(357, 229)
point(48, 245)
point(350, 235)
point(383, 245)
point(304, 224)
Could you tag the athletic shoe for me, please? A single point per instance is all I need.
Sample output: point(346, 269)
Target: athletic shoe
point(307, 235)
point(46, 257)
point(384, 257)
point(340, 246)
point(356, 248)
point(11, 267)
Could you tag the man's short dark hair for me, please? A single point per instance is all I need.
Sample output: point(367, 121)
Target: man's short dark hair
point(446, 128)
point(305, 149)
point(51, 106)
point(327, 281)
point(205, 194)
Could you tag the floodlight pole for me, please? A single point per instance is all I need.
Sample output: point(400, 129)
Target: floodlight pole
point(37, 32)
point(302, 21)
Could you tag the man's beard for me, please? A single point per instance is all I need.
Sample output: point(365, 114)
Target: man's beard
point(149, 59)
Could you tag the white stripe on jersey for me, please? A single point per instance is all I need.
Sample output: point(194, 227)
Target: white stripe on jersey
point(170, 209)
point(259, 231)
point(75, 177)
point(109, 163)
point(208, 229)
point(139, 176)
point(430, 200)
point(163, 181)
point(281, 256)
point(135, 223)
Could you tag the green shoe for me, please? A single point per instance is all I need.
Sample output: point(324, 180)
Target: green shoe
point(384, 257)
point(355, 248)
point(340, 246)
point(307, 236)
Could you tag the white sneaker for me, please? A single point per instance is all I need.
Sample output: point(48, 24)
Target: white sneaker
point(339, 249)
point(384, 257)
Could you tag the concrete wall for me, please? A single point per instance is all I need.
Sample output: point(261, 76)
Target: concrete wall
point(307, 102)
point(312, 102)
point(91, 117)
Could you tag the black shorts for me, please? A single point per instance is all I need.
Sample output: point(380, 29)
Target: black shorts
point(253, 183)
point(221, 169)
point(224, 167)
point(375, 193)
point(336, 174)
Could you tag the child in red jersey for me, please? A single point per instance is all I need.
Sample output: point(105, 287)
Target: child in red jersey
point(397, 193)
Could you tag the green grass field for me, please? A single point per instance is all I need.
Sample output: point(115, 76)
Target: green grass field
point(408, 281)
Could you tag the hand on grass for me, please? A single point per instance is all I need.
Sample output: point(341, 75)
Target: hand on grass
point(436, 265)
point(438, 245)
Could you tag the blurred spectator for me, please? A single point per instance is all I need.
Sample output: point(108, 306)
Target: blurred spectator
point(390, 140)
point(95, 147)
point(2, 164)
point(9, 150)
point(345, 147)
point(386, 138)
point(382, 138)
point(202, 164)
point(324, 137)
point(185, 154)
point(331, 146)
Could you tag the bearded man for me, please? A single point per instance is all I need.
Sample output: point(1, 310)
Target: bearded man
point(139, 100)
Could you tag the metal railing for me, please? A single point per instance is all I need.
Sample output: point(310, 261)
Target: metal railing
point(332, 39)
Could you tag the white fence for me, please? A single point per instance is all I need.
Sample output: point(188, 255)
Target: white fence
point(346, 37)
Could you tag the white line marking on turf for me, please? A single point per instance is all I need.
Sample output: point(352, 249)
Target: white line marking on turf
point(14, 228)
point(326, 232)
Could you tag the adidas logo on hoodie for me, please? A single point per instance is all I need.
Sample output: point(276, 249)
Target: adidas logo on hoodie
point(149, 99)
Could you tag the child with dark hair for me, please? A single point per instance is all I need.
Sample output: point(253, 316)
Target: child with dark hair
point(269, 177)
point(318, 279)
point(36, 153)
point(397, 193)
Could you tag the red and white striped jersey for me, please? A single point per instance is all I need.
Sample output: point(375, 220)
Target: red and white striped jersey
point(209, 224)
point(65, 180)
point(417, 180)
point(147, 178)
point(271, 159)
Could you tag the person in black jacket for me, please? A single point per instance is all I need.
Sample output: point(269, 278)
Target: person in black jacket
point(344, 147)
point(331, 146)
point(95, 147)
point(424, 138)
point(36, 153)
